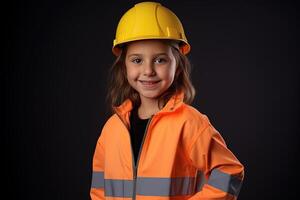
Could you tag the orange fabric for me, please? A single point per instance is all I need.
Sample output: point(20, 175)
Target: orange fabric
point(179, 141)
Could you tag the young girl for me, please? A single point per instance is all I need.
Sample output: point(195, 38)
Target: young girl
point(157, 146)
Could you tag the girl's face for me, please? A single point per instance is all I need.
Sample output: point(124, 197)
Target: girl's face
point(150, 67)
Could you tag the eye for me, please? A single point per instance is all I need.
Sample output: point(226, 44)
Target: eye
point(136, 60)
point(160, 60)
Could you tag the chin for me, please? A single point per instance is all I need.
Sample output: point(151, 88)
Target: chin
point(149, 95)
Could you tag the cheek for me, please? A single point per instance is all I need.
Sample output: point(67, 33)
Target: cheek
point(169, 74)
point(131, 73)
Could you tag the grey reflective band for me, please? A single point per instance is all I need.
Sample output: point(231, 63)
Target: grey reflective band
point(200, 181)
point(225, 182)
point(165, 186)
point(178, 186)
point(97, 180)
point(118, 188)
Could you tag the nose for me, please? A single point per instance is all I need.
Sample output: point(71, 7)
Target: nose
point(148, 69)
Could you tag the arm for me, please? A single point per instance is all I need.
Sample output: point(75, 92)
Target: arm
point(221, 172)
point(97, 186)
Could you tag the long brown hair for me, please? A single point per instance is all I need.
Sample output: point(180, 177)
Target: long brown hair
point(119, 89)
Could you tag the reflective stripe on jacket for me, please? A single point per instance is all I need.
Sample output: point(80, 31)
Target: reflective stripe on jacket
point(182, 156)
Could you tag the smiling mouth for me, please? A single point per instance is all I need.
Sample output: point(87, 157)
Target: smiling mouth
point(148, 83)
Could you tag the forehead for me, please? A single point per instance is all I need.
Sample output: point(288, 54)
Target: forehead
point(148, 47)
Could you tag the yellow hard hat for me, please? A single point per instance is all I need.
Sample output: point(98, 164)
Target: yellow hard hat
point(149, 20)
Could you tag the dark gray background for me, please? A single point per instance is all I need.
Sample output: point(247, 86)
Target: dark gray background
point(56, 65)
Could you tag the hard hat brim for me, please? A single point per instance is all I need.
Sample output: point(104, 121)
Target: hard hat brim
point(184, 47)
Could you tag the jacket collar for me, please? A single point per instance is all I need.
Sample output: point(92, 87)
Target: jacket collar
point(172, 105)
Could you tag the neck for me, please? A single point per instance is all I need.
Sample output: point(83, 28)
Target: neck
point(148, 108)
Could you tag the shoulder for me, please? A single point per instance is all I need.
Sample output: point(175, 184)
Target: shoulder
point(112, 124)
point(200, 124)
point(194, 117)
point(112, 121)
point(193, 124)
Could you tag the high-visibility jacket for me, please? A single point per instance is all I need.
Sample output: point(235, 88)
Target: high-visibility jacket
point(182, 156)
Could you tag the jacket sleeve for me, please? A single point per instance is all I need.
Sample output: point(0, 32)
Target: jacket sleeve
point(220, 174)
point(97, 185)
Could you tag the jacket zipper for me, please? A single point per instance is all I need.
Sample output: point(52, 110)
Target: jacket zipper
point(135, 165)
point(138, 159)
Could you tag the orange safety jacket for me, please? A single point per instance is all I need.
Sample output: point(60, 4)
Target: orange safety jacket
point(182, 156)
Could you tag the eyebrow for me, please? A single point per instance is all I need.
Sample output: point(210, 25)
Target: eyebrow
point(155, 55)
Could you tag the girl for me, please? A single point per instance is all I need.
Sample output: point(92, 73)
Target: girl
point(156, 146)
